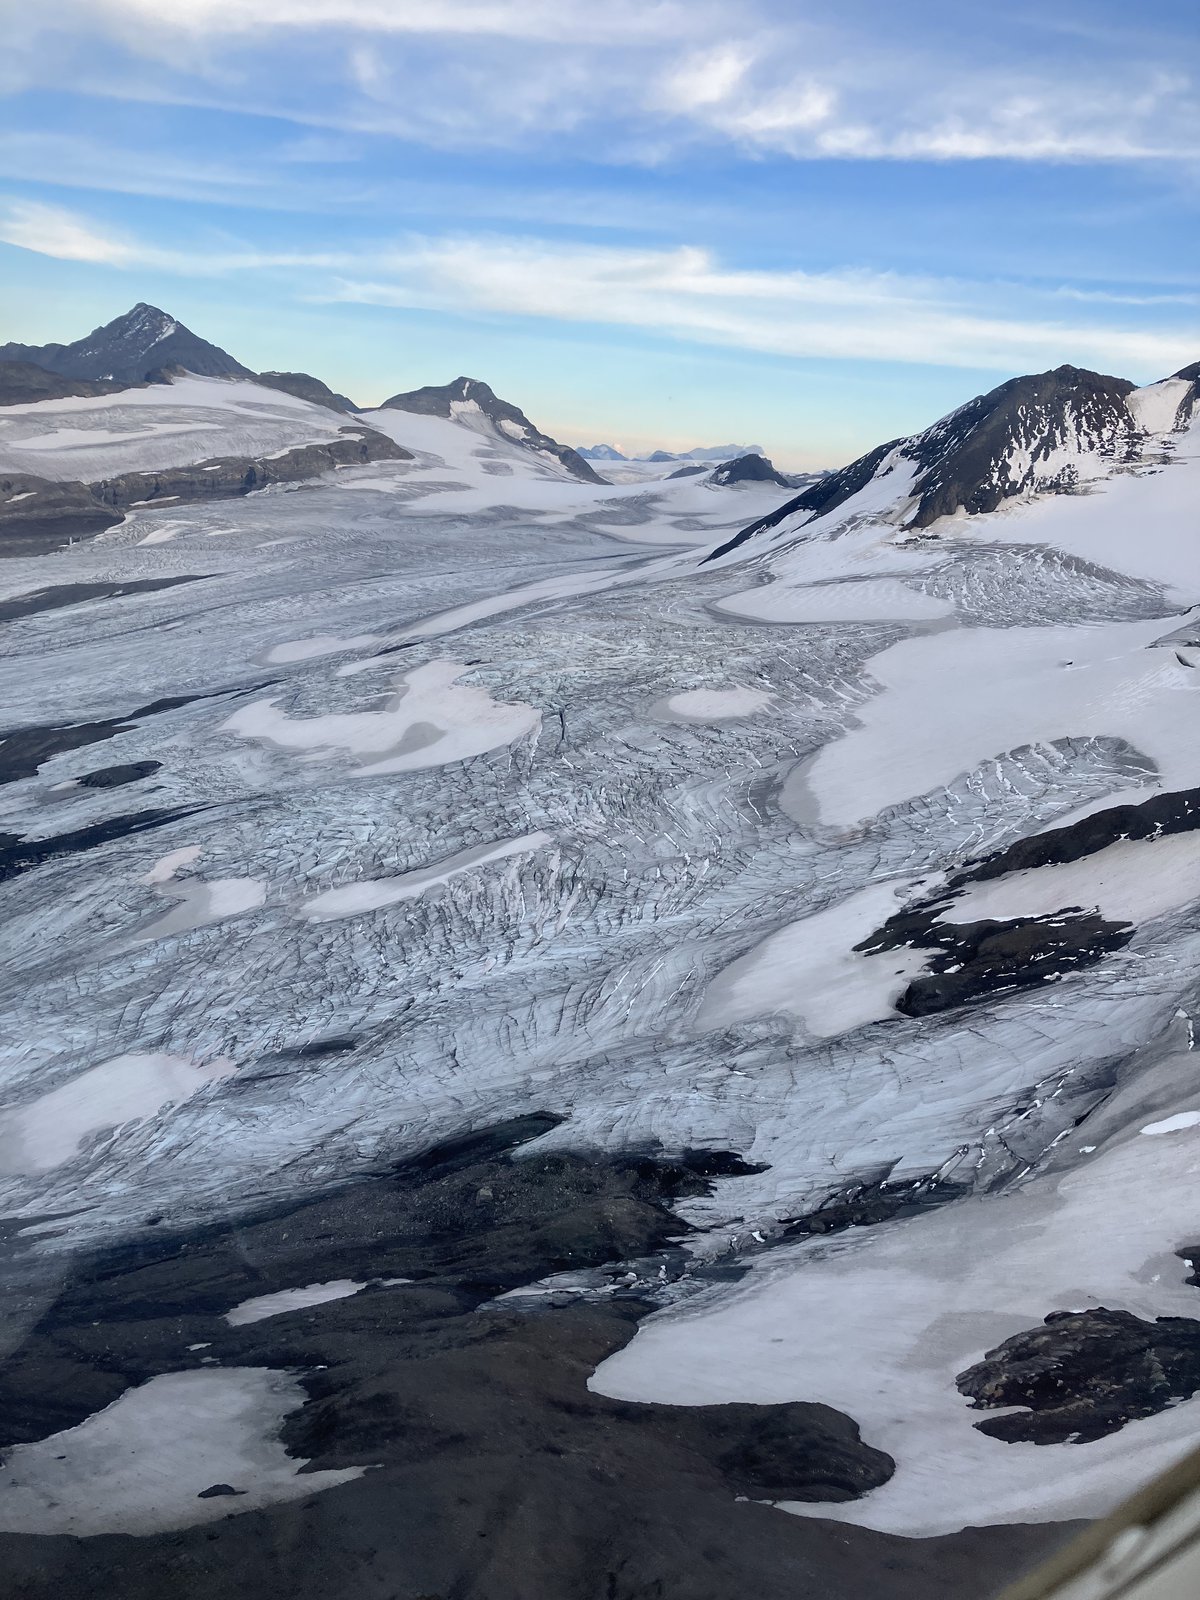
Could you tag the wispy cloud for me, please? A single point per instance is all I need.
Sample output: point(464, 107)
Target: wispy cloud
point(684, 293)
point(629, 81)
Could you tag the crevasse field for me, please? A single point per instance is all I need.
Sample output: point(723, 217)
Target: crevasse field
point(467, 792)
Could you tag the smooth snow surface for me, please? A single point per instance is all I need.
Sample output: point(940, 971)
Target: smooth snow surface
point(948, 701)
point(810, 971)
point(430, 721)
point(879, 1321)
point(321, 644)
point(48, 1131)
point(355, 899)
point(1130, 881)
point(165, 425)
point(717, 705)
point(140, 1465)
point(1175, 1124)
point(165, 868)
point(262, 1306)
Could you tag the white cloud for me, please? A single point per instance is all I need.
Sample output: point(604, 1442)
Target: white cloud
point(51, 231)
point(631, 80)
point(684, 293)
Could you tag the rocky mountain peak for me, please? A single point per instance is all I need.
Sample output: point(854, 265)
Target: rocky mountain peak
point(143, 339)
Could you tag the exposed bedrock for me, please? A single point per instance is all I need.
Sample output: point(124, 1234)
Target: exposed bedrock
point(37, 514)
point(495, 1473)
point(1084, 1374)
point(971, 960)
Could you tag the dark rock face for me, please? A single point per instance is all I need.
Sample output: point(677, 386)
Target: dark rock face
point(970, 961)
point(874, 1203)
point(748, 469)
point(998, 445)
point(73, 594)
point(1174, 812)
point(1084, 1374)
point(129, 347)
point(687, 472)
point(967, 458)
point(437, 401)
point(49, 514)
point(227, 477)
point(496, 1473)
point(306, 387)
point(825, 495)
point(22, 383)
point(19, 855)
point(117, 777)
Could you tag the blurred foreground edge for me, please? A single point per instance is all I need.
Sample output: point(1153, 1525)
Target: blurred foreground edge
point(1148, 1549)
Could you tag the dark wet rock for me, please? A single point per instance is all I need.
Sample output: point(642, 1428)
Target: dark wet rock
point(19, 855)
point(495, 1473)
point(215, 1490)
point(23, 383)
point(1085, 1374)
point(1175, 812)
point(872, 1203)
point(306, 387)
point(1190, 1256)
point(438, 400)
point(117, 777)
point(124, 350)
point(971, 961)
point(747, 469)
point(23, 751)
point(73, 594)
point(687, 472)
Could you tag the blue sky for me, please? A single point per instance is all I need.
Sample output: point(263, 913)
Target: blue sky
point(805, 226)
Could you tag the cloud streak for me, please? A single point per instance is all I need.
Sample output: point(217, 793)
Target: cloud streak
point(684, 293)
point(630, 82)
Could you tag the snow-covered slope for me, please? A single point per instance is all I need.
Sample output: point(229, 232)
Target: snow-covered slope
point(473, 405)
point(171, 424)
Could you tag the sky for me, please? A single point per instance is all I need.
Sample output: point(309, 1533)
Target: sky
point(648, 222)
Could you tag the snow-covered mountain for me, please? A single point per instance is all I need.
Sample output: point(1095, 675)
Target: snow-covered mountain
point(601, 452)
point(475, 405)
point(142, 341)
point(1047, 433)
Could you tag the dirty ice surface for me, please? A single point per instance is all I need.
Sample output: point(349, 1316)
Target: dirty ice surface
point(607, 861)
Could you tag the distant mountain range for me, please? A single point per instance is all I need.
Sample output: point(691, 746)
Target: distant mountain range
point(705, 452)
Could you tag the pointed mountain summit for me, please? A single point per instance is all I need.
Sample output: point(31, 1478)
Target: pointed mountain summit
point(126, 350)
point(1045, 433)
point(747, 469)
point(467, 399)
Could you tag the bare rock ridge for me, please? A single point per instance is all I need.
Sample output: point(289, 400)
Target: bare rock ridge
point(125, 350)
point(451, 399)
point(305, 387)
point(748, 469)
point(23, 383)
point(1042, 433)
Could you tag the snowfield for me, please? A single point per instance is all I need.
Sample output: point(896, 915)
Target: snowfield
point(461, 791)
